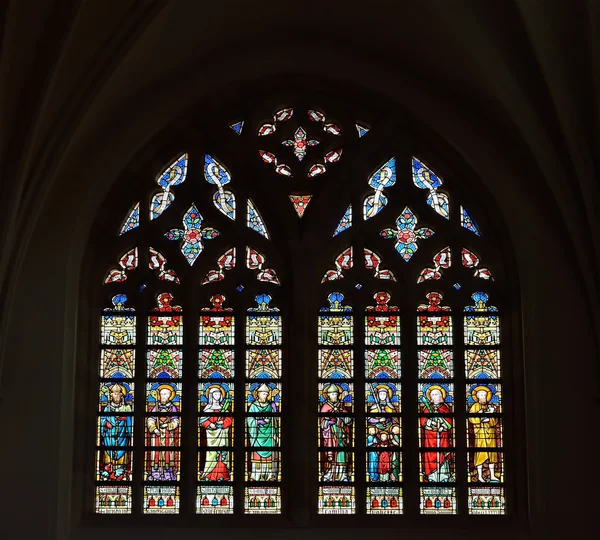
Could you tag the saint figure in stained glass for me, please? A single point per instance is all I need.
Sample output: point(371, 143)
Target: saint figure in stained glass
point(336, 434)
point(436, 436)
point(383, 398)
point(383, 431)
point(163, 431)
point(263, 434)
point(383, 465)
point(217, 465)
point(116, 435)
point(484, 428)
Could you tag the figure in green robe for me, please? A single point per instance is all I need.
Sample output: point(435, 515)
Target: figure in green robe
point(263, 432)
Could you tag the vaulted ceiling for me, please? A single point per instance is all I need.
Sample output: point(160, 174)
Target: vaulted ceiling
point(76, 75)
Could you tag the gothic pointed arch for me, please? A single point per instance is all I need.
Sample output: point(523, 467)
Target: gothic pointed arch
point(190, 370)
point(416, 418)
point(302, 307)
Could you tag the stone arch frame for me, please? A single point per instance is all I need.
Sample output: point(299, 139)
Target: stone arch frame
point(503, 164)
point(382, 143)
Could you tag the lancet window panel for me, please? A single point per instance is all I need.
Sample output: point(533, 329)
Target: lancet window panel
point(336, 419)
point(215, 405)
point(438, 371)
point(265, 403)
point(198, 359)
point(114, 438)
point(383, 397)
point(436, 404)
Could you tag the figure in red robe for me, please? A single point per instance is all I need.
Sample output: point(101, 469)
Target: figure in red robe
point(386, 461)
point(436, 435)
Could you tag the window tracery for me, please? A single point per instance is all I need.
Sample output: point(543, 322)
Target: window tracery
point(381, 370)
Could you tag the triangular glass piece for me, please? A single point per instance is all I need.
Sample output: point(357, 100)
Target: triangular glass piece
point(362, 130)
point(300, 203)
point(254, 221)
point(237, 127)
point(467, 221)
point(132, 220)
point(345, 222)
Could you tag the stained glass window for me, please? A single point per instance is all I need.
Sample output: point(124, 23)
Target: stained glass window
point(142, 348)
point(348, 364)
point(341, 389)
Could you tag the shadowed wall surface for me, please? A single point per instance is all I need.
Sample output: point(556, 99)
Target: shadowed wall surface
point(86, 86)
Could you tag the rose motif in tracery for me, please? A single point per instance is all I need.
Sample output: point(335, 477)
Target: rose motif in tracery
point(300, 143)
point(406, 235)
point(192, 234)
